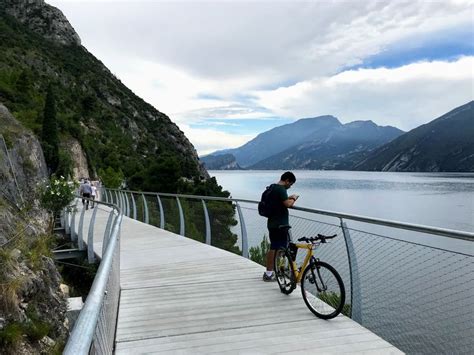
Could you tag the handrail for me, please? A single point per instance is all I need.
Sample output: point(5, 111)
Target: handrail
point(451, 233)
point(81, 337)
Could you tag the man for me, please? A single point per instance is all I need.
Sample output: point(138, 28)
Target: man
point(279, 219)
point(85, 191)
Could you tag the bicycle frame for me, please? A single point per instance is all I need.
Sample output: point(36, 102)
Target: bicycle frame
point(309, 254)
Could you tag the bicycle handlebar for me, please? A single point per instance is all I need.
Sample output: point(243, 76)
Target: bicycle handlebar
point(320, 237)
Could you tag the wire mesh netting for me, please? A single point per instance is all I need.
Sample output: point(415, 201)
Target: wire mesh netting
point(419, 298)
point(104, 335)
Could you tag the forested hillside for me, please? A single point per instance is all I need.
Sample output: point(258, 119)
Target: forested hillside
point(122, 136)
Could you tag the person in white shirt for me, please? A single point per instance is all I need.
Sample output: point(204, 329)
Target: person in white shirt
point(93, 193)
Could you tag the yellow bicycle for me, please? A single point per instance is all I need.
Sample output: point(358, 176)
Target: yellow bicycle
point(321, 285)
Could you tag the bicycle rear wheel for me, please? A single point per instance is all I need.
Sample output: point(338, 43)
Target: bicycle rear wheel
point(284, 272)
point(323, 290)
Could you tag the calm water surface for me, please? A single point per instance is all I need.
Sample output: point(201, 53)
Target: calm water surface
point(443, 200)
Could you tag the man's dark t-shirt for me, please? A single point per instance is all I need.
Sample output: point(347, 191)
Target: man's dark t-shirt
point(279, 195)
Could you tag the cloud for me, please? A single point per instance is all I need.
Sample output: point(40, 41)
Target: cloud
point(270, 42)
point(209, 140)
point(405, 97)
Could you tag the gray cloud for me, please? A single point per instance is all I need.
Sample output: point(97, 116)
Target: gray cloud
point(276, 41)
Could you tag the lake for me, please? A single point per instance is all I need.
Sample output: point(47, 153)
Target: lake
point(443, 200)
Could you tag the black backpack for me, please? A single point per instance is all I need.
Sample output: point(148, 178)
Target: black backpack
point(267, 207)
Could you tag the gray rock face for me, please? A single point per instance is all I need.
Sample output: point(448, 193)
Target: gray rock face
point(43, 19)
point(22, 164)
point(80, 168)
point(34, 284)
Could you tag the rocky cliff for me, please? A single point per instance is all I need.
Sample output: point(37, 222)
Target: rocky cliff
point(32, 307)
point(43, 19)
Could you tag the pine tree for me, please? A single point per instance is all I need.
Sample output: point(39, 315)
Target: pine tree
point(49, 136)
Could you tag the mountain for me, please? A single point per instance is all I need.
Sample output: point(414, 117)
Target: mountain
point(337, 148)
point(444, 144)
point(220, 162)
point(280, 138)
point(98, 117)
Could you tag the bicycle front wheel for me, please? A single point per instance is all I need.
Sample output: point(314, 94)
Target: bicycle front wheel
point(323, 290)
point(284, 272)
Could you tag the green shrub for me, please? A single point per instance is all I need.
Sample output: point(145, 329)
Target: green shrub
point(259, 253)
point(57, 194)
point(41, 246)
point(11, 335)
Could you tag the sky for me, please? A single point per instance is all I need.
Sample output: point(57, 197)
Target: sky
point(225, 71)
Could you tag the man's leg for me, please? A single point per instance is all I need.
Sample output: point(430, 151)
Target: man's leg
point(270, 257)
point(269, 275)
point(87, 201)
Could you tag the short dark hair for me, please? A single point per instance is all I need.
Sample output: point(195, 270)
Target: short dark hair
point(288, 176)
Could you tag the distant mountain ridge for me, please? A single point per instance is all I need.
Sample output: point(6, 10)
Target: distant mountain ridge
point(220, 162)
point(336, 149)
point(311, 143)
point(279, 139)
point(444, 144)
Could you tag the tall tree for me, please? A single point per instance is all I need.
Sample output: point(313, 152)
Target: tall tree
point(49, 135)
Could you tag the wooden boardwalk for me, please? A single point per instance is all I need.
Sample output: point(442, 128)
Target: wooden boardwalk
point(182, 296)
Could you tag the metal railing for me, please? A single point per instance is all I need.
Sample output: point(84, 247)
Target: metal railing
point(94, 330)
point(408, 283)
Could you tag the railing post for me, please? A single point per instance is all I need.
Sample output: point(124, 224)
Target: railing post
point(181, 217)
point(208, 224)
point(134, 206)
point(162, 212)
point(122, 201)
point(105, 241)
point(354, 275)
point(80, 234)
point(117, 198)
point(90, 238)
point(73, 222)
point(127, 204)
point(145, 210)
point(66, 220)
point(245, 245)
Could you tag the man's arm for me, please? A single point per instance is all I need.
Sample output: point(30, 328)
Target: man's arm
point(290, 201)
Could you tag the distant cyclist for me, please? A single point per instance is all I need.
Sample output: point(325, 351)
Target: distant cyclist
point(278, 222)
